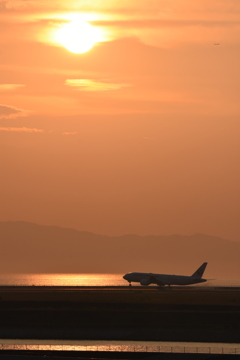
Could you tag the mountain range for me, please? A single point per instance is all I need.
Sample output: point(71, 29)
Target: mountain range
point(29, 247)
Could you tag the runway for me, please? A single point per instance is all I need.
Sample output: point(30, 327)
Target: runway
point(120, 313)
point(105, 288)
point(175, 295)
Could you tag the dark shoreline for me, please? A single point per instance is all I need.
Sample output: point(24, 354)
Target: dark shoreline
point(120, 314)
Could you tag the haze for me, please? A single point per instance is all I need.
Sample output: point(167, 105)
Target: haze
point(138, 135)
point(32, 248)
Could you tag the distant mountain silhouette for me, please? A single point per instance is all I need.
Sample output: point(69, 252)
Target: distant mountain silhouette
point(28, 247)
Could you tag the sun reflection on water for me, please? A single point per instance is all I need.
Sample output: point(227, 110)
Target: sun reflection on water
point(88, 280)
point(61, 279)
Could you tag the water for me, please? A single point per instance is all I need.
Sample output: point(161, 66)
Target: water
point(120, 346)
point(87, 280)
point(62, 280)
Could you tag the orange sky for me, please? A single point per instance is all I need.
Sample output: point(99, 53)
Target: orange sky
point(138, 135)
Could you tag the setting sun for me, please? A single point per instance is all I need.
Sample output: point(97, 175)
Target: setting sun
point(78, 36)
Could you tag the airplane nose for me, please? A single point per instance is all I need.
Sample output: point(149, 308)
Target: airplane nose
point(125, 277)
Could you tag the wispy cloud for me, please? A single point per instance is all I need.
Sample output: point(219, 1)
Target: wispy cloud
point(159, 23)
point(70, 133)
point(7, 111)
point(17, 4)
point(22, 129)
point(92, 85)
point(5, 87)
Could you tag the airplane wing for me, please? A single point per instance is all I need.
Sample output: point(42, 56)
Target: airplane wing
point(151, 279)
point(158, 281)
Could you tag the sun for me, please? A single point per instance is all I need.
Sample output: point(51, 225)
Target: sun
point(78, 36)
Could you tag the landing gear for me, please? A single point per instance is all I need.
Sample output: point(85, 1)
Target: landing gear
point(130, 284)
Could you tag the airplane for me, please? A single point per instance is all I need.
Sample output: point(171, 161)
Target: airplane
point(162, 279)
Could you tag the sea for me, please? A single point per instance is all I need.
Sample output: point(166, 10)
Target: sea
point(89, 280)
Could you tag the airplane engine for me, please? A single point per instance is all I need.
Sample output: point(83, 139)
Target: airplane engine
point(144, 282)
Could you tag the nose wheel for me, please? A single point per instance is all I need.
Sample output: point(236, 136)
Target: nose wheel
point(130, 284)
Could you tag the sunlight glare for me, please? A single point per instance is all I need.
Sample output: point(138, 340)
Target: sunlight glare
point(78, 36)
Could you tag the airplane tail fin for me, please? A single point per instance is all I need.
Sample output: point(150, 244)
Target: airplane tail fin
point(199, 272)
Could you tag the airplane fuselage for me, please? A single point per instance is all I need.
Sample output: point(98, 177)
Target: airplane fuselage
point(161, 279)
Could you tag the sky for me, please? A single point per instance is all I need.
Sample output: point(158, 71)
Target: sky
point(139, 134)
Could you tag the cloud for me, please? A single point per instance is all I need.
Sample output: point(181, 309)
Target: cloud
point(4, 87)
point(70, 133)
point(17, 4)
point(22, 129)
point(92, 85)
point(163, 23)
point(126, 7)
point(7, 111)
point(159, 23)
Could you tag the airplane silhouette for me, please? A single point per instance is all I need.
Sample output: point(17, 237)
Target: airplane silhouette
point(164, 279)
